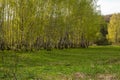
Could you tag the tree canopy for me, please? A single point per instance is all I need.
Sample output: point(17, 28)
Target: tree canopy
point(114, 29)
point(37, 24)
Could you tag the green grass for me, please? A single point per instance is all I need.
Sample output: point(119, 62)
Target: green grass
point(67, 64)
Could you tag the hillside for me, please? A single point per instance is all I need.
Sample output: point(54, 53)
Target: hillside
point(107, 17)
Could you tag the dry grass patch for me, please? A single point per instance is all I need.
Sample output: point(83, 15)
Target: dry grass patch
point(107, 77)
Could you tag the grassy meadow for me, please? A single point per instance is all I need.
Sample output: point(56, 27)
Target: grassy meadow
point(93, 63)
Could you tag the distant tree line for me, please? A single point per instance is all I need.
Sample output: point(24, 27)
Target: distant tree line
point(47, 24)
point(110, 30)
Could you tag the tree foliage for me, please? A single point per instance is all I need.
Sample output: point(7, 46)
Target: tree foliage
point(114, 29)
point(37, 24)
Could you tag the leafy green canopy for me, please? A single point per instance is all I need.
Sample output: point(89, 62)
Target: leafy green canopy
point(35, 24)
point(114, 29)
